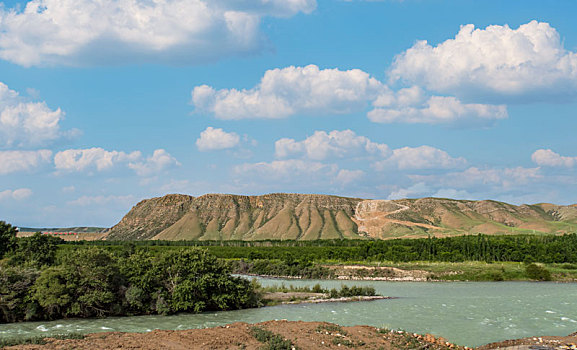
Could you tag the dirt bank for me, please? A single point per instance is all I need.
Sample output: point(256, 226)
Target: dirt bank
point(378, 273)
point(535, 343)
point(303, 335)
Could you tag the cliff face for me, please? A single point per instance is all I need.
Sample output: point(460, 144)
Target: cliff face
point(309, 217)
point(151, 216)
point(272, 216)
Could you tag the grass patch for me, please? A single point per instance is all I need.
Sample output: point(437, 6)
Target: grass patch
point(38, 340)
point(292, 289)
point(331, 328)
point(272, 341)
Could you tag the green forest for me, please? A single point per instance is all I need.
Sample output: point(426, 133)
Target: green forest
point(488, 248)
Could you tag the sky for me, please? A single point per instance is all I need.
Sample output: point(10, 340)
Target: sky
point(104, 103)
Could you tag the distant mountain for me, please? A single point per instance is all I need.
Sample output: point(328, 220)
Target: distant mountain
point(310, 216)
point(65, 229)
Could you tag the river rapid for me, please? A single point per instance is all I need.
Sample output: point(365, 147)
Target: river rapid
point(465, 313)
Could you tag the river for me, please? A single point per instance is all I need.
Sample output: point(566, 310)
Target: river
point(465, 313)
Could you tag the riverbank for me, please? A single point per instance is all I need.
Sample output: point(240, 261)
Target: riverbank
point(471, 314)
point(286, 335)
point(283, 334)
point(424, 271)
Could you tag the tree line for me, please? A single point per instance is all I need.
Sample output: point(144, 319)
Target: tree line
point(498, 248)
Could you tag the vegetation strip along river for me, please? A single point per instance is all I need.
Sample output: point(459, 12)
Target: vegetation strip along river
point(465, 313)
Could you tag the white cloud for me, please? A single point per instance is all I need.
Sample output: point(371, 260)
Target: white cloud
point(92, 159)
point(27, 124)
point(68, 189)
point(286, 170)
point(452, 193)
point(322, 145)
point(345, 177)
point(310, 90)
point(495, 63)
point(82, 32)
point(410, 105)
point(216, 139)
point(474, 177)
point(423, 157)
point(98, 159)
point(15, 161)
point(417, 190)
point(288, 91)
point(158, 162)
point(546, 157)
point(19, 194)
point(86, 201)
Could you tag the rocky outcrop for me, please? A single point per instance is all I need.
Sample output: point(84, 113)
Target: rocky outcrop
point(308, 217)
point(272, 216)
point(151, 216)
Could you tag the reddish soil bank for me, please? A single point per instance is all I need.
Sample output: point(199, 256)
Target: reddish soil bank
point(535, 343)
point(304, 335)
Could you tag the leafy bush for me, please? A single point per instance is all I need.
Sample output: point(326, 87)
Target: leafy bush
point(94, 282)
point(536, 272)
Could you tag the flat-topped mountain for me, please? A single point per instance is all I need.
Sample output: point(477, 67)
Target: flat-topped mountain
point(311, 216)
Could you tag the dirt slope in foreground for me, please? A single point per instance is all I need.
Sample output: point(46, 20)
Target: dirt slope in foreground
point(304, 335)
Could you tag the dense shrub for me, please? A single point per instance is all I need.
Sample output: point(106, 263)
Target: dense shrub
point(94, 282)
point(536, 272)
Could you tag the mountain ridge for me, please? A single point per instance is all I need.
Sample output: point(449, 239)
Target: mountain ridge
point(314, 216)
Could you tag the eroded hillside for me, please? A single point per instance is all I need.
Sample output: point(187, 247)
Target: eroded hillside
point(310, 217)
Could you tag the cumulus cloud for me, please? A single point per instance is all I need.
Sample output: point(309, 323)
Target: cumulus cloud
point(98, 159)
point(417, 190)
point(335, 144)
point(423, 157)
point(16, 161)
point(158, 162)
point(286, 169)
point(546, 157)
point(452, 193)
point(495, 63)
point(411, 105)
point(19, 194)
point(92, 159)
point(346, 176)
point(474, 177)
point(27, 124)
point(288, 91)
point(216, 139)
point(310, 90)
point(65, 32)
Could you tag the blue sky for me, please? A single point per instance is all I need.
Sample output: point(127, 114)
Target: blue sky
point(105, 103)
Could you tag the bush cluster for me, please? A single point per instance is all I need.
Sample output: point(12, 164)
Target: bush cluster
point(286, 267)
point(35, 284)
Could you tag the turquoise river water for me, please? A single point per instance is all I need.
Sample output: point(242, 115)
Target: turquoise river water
point(465, 313)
